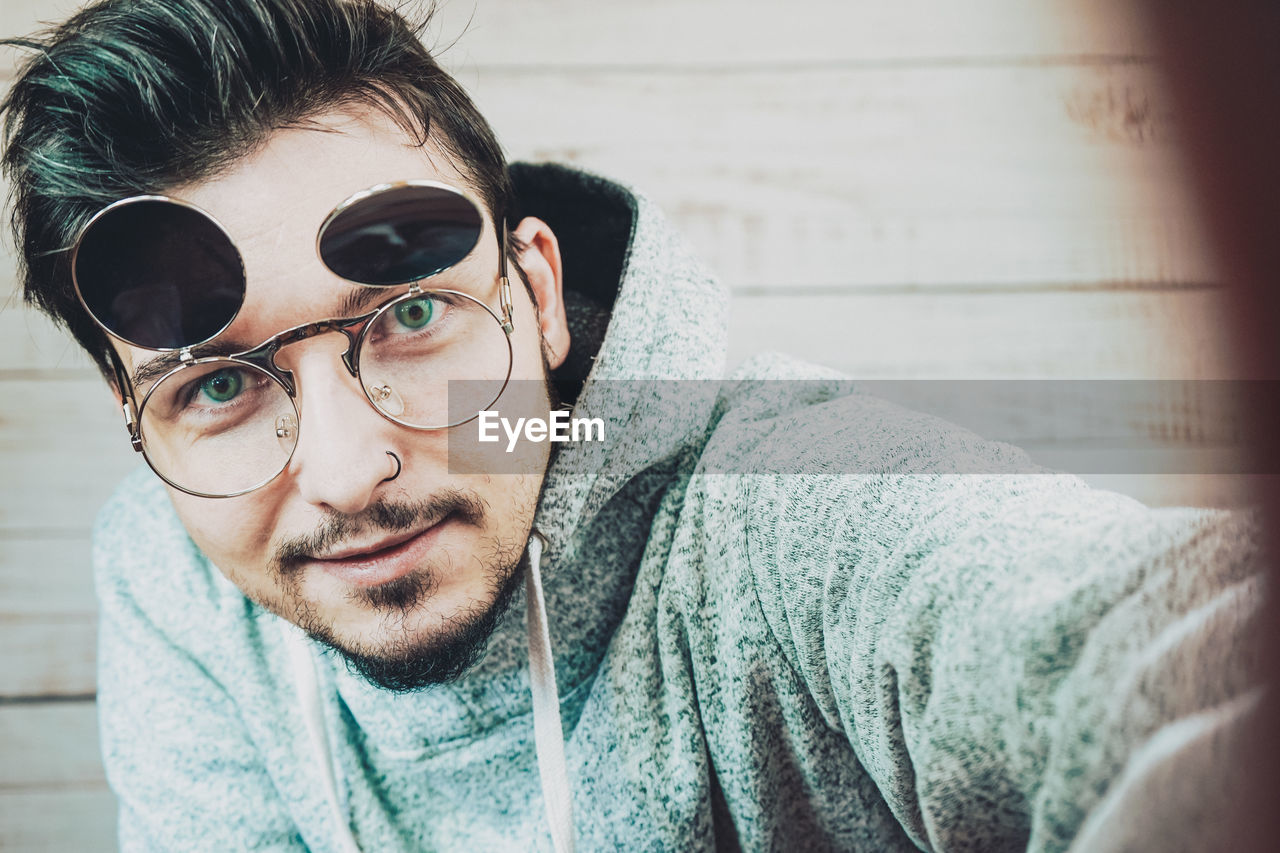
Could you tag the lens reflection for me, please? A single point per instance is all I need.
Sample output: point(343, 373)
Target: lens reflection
point(158, 274)
point(400, 234)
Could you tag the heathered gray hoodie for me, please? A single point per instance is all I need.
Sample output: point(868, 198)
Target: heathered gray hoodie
point(844, 642)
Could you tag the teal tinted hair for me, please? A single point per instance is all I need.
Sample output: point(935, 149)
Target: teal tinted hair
point(133, 96)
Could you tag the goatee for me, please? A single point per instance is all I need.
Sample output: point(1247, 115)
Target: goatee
point(404, 662)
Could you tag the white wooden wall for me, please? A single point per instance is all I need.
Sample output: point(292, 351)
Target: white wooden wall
point(922, 188)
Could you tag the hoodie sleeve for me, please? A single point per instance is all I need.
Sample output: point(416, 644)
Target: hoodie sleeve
point(1020, 662)
point(177, 755)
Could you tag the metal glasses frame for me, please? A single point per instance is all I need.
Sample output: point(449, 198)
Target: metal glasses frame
point(262, 357)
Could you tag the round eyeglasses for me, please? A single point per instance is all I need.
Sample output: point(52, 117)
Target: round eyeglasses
point(163, 275)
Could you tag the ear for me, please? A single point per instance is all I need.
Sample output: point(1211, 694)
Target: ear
point(540, 261)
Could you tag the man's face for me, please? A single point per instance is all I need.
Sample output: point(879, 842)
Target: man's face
point(406, 575)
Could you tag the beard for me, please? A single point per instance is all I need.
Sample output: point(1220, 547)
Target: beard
point(404, 661)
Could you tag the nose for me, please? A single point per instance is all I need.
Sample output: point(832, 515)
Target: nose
point(342, 455)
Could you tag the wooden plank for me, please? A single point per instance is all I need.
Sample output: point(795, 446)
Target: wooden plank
point(58, 821)
point(30, 341)
point(63, 450)
point(967, 177)
point(1092, 335)
point(48, 656)
point(44, 575)
point(755, 33)
point(1202, 490)
point(1139, 458)
point(53, 794)
point(24, 17)
point(21, 16)
point(50, 745)
point(1078, 415)
point(48, 623)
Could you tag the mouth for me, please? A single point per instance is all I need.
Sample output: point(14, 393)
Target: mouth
point(383, 560)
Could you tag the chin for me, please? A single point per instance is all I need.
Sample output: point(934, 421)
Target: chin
point(408, 634)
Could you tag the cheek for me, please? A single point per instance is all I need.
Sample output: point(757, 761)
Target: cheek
point(512, 500)
point(235, 533)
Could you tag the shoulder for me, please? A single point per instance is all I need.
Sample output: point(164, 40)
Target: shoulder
point(146, 567)
point(781, 418)
point(834, 482)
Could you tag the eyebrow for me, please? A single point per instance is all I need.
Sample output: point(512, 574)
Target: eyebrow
point(360, 299)
point(154, 368)
point(357, 301)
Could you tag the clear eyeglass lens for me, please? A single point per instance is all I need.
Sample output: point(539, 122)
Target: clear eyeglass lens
point(414, 349)
point(221, 427)
point(218, 427)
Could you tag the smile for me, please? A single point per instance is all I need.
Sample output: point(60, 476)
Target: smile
point(384, 561)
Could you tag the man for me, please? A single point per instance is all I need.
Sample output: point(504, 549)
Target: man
point(778, 615)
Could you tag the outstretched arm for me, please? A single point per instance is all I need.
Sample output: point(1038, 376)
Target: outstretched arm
point(1012, 655)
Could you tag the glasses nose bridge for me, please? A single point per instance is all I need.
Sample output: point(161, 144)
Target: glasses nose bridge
point(266, 355)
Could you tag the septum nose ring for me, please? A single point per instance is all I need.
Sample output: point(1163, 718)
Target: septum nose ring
point(399, 468)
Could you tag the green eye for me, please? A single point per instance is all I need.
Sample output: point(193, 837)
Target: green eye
point(223, 386)
point(415, 313)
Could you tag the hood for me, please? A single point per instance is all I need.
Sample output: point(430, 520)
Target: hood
point(664, 317)
point(640, 306)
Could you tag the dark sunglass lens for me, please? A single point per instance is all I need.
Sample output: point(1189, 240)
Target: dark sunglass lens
point(159, 274)
point(401, 234)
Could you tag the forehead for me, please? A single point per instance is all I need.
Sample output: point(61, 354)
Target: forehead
point(291, 182)
point(273, 202)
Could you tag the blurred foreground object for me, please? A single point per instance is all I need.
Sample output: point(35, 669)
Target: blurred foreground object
point(1224, 71)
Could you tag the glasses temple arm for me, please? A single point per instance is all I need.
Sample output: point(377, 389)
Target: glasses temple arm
point(125, 389)
point(504, 284)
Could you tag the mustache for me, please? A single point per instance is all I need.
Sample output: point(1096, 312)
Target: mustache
point(388, 516)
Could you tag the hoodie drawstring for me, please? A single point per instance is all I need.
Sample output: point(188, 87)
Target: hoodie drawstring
point(548, 732)
point(307, 685)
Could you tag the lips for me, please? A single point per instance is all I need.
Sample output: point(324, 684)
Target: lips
point(382, 561)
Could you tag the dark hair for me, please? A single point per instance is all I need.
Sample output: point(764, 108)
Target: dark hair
point(132, 96)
